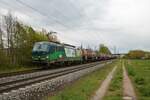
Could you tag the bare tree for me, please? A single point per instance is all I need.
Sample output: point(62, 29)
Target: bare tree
point(10, 23)
point(1, 38)
point(17, 41)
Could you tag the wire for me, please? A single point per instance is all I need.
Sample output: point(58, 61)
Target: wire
point(43, 14)
point(18, 8)
point(87, 17)
point(36, 10)
point(56, 9)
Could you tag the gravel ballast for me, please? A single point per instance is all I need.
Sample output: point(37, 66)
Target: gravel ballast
point(39, 90)
point(34, 74)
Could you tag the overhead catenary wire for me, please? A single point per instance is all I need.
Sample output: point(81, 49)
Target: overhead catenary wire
point(57, 10)
point(80, 12)
point(36, 10)
point(74, 6)
point(52, 17)
point(8, 4)
point(72, 2)
point(31, 16)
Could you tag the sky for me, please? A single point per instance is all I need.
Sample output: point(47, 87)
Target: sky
point(120, 24)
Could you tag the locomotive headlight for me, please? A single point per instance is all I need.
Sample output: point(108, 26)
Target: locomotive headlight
point(47, 57)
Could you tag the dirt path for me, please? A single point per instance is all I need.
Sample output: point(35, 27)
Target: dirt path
point(100, 93)
point(128, 90)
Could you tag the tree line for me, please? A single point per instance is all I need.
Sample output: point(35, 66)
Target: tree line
point(16, 41)
point(138, 54)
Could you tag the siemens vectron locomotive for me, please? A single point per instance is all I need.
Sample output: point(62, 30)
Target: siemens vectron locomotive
point(52, 53)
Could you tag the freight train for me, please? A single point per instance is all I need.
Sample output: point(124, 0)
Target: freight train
point(60, 53)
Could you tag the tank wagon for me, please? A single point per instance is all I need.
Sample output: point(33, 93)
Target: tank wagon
point(88, 55)
point(57, 53)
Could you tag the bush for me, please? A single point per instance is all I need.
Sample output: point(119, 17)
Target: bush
point(3, 58)
point(131, 71)
point(145, 91)
point(139, 80)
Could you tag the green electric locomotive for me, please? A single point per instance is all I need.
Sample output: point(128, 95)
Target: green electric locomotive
point(51, 53)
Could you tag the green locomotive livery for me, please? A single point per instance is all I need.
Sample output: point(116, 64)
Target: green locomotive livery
point(51, 52)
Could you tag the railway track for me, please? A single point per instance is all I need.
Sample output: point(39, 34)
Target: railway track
point(41, 68)
point(19, 72)
point(18, 81)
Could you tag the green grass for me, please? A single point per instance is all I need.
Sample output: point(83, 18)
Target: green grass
point(139, 72)
point(115, 89)
point(83, 88)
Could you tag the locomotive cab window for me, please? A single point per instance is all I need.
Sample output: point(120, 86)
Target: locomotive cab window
point(51, 48)
point(40, 47)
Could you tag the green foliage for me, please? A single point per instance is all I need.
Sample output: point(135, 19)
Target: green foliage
point(115, 89)
point(147, 55)
point(145, 91)
point(138, 54)
point(19, 44)
point(131, 71)
point(140, 78)
point(3, 58)
point(104, 49)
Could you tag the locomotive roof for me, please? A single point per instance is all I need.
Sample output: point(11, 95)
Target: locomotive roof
point(58, 44)
point(69, 45)
point(53, 43)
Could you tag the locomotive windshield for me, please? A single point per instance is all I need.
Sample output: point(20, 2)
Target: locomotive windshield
point(40, 47)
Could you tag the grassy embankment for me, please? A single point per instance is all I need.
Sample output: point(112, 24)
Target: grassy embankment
point(139, 72)
point(83, 88)
point(115, 89)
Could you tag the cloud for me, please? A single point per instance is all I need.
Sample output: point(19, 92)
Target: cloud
point(121, 23)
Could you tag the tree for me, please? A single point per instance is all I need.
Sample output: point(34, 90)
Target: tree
point(10, 23)
point(1, 38)
point(2, 53)
point(136, 54)
point(104, 49)
point(19, 42)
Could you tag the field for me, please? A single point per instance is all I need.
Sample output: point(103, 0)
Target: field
point(84, 88)
point(139, 72)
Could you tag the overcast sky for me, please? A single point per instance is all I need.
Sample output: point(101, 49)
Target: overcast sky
point(121, 23)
